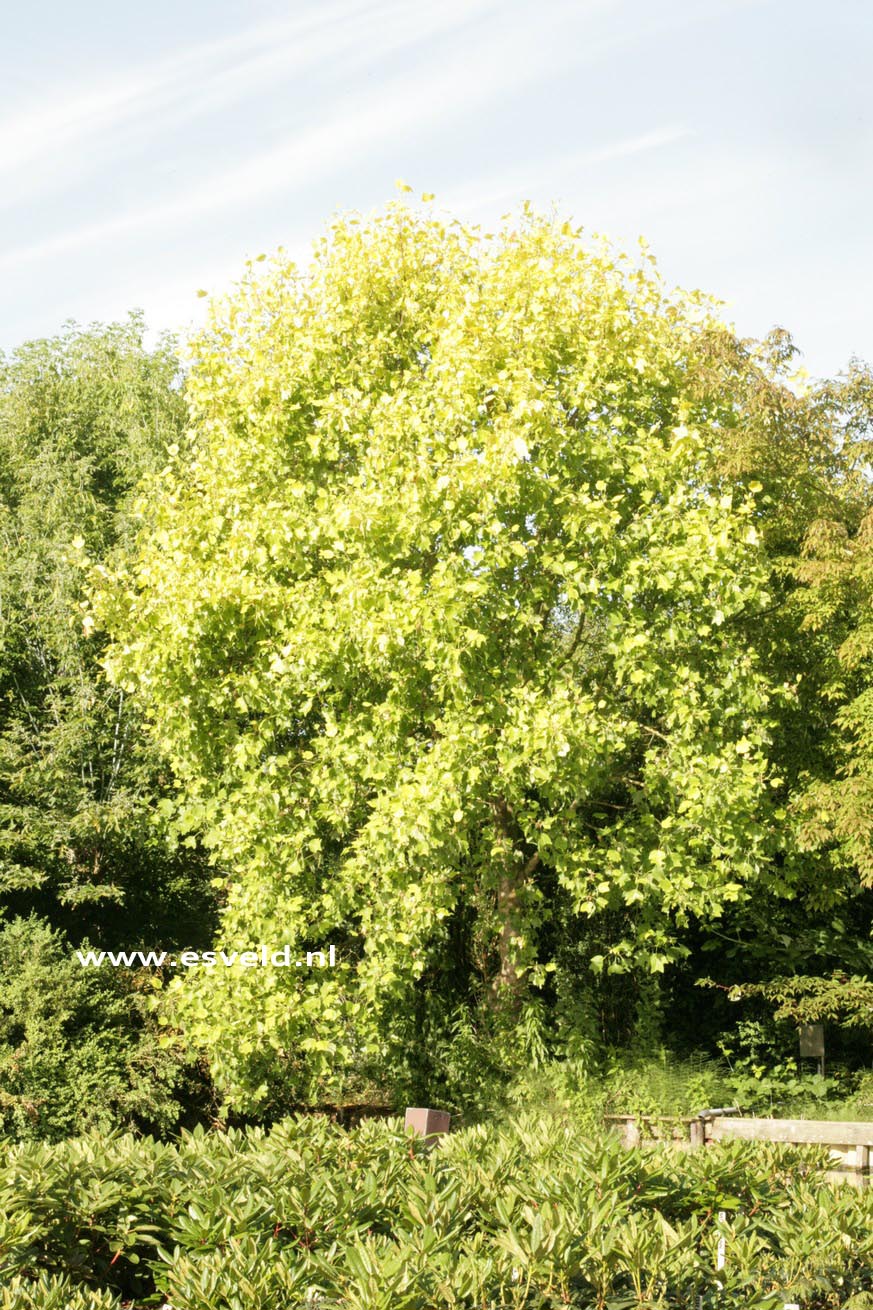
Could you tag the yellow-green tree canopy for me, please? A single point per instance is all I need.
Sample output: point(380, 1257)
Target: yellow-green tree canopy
point(435, 615)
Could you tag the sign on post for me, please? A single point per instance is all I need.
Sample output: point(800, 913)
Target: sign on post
point(812, 1043)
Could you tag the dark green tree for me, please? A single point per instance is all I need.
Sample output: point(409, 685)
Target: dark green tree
point(83, 418)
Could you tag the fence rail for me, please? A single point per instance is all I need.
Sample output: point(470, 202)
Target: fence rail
point(851, 1142)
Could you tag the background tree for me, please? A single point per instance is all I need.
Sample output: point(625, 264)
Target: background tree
point(807, 445)
point(83, 418)
point(836, 573)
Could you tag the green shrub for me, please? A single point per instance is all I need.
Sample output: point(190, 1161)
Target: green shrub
point(756, 1080)
point(530, 1213)
point(54, 1294)
point(76, 1048)
point(656, 1085)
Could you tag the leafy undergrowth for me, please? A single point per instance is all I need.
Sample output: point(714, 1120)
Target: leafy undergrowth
point(665, 1085)
point(535, 1213)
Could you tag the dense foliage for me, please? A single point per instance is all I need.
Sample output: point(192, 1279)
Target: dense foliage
point(470, 619)
point(535, 1214)
point(441, 618)
point(82, 419)
point(476, 604)
point(78, 1048)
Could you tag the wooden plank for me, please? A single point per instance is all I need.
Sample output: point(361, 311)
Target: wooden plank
point(649, 1118)
point(820, 1132)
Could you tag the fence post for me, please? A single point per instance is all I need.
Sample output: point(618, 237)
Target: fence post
point(426, 1123)
point(697, 1131)
point(631, 1134)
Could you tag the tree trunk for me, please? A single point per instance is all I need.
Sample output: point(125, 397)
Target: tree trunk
point(507, 984)
point(507, 987)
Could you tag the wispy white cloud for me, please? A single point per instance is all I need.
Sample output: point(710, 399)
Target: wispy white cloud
point(74, 116)
point(402, 108)
point(92, 121)
point(145, 179)
point(558, 176)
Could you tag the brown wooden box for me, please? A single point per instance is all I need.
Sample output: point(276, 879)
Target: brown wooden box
point(427, 1123)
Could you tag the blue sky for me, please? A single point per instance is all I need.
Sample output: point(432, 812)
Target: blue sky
point(147, 150)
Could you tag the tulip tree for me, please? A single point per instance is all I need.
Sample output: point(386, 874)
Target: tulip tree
point(437, 613)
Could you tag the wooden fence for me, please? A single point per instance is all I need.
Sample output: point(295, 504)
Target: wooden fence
point(849, 1142)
